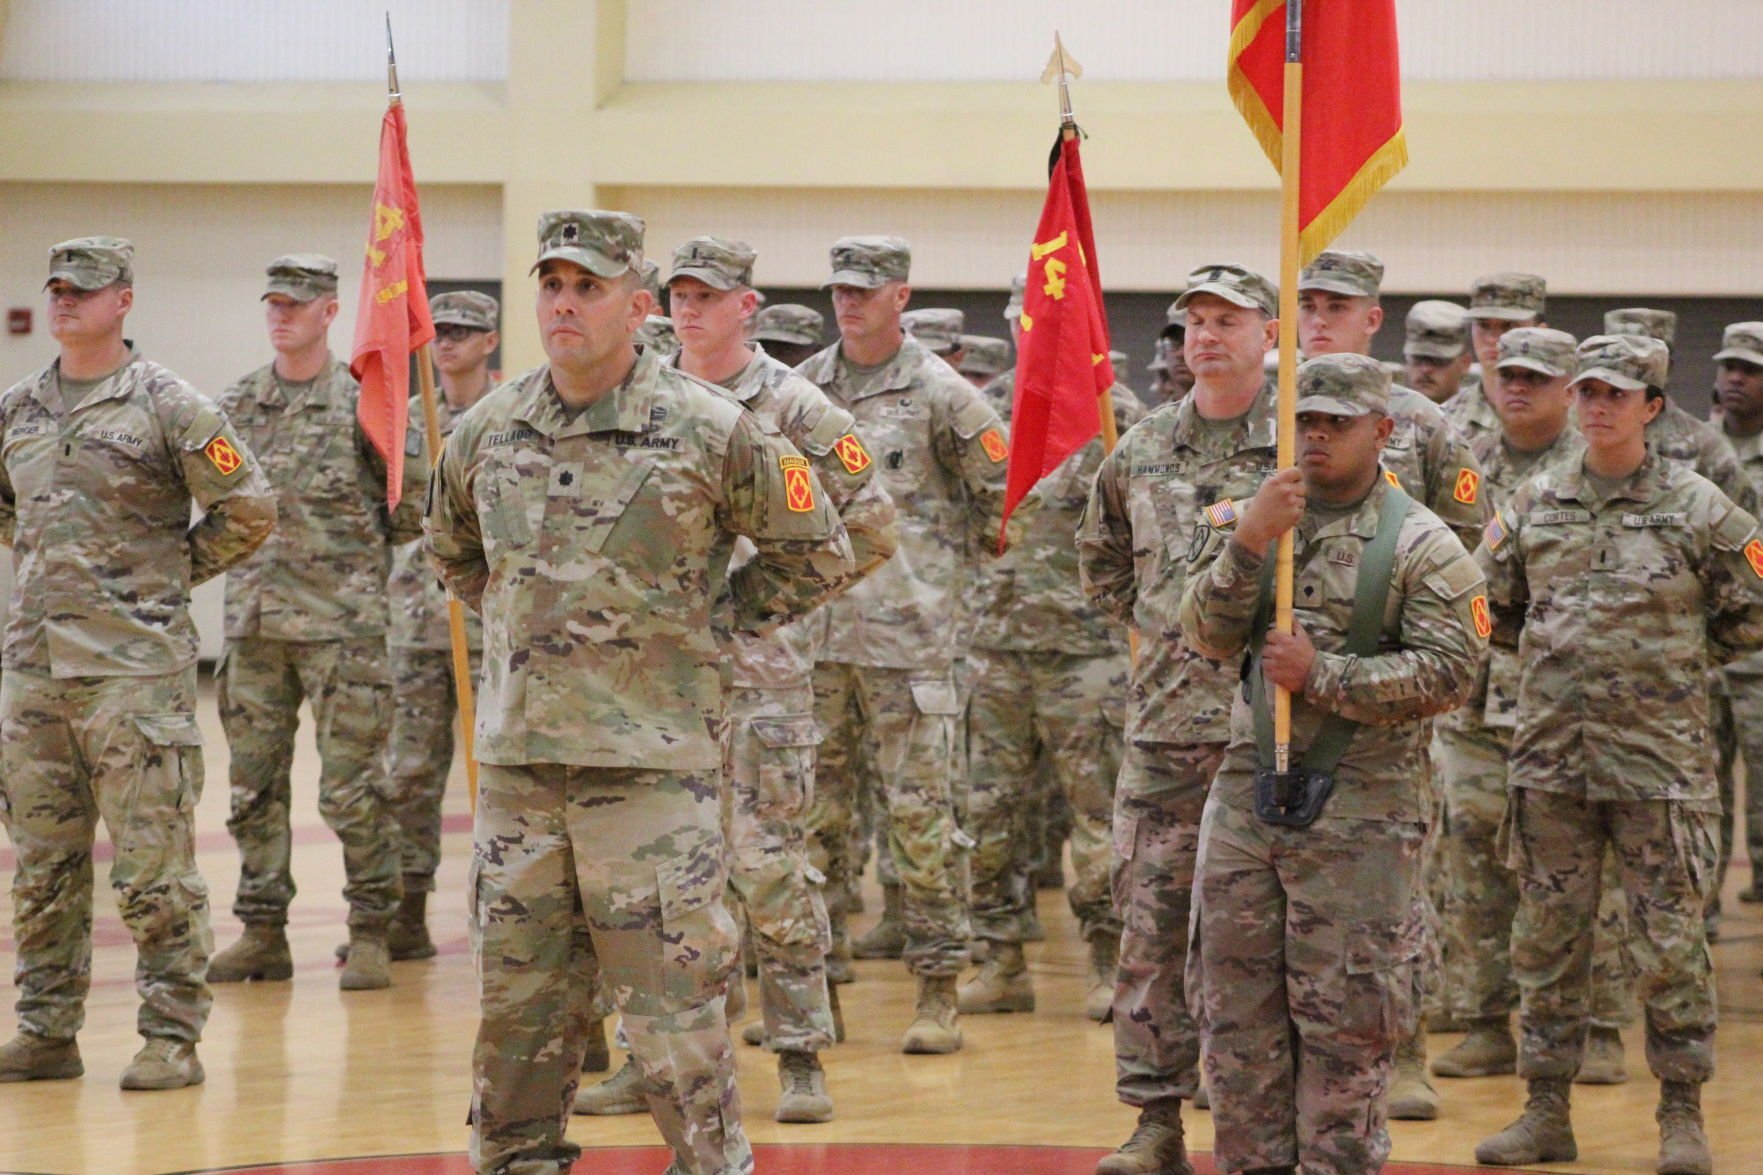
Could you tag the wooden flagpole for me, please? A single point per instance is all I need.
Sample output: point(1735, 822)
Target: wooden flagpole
point(1290, 161)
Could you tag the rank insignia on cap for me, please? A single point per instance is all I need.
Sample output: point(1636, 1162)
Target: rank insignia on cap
point(1754, 556)
point(1392, 479)
point(1221, 513)
point(1478, 611)
point(1494, 533)
point(852, 454)
point(798, 484)
point(992, 441)
point(1468, 485)
point(220, 451)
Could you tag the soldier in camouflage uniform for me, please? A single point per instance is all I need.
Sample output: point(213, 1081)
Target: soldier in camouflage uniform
point(770, 735)
point(1172, 379)
point(1436, 349)
point(790, 332)
point(1305, 938)
point(1739, 393)
point(420, 754)
point(885, 691)
point(983, 359)
point(306, 618)
point(98, 702)
point(939, 330)
point(1534, 368)
point(1050, 672)
point(1586, 563)
point(1498, 302)
point(1181, 465)
point(589, 510)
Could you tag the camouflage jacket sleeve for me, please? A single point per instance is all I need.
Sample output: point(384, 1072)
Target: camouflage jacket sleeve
point(971, 445)
point(1733, 577)
point(1222, 594)
point(801, 556)
point(8, 495)
point(1104, 543)
point(827, 435)
point(1720, 465)
point(1457, 494)
point(223, 477)
point(405, 524)
point(455, 543)
point(1497, 556)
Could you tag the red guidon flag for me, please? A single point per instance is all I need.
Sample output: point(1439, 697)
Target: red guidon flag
point(392, 319)
point(1352, 134)
point(1062, 361)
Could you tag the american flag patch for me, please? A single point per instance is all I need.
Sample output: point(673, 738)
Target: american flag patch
point(1494, 533)
point(1221, 514)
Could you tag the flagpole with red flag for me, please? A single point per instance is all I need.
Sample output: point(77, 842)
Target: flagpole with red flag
point(1328, 170)
point(392, 321)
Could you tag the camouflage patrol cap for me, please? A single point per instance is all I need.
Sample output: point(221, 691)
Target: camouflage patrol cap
point(1236, 284)
point(657, 334)
point(1537, 348)
point(1343, 385)
point(606, 244)
point(1631, 362)
point(651, 274)
point(1641, 320)
point(718, 262)
point(982, 355)
point(868, 262)
point(938, 329)
point(467, 308)
point(1343, 271)
point(302, 277)
point(1509, 297)
point(789, 322)
point(1742, 341)
point(1018, 290)
point(91, 263)
point(1436, 330)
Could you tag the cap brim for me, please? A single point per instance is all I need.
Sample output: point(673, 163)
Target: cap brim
point(1157, 365)
point(446, 319)
point(1531, 363)
point(1504, 313)
point(595, 263)
point(1230, 294)
point(778, 336)
point(1742, 354)
point(1434, 351)
point(1332, 406)
point(1334, 285)
point(854, 277)
point(1614, 378)
point(298, 291)
point(84, 279)
point(710, 277)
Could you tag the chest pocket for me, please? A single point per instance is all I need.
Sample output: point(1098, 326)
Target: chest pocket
point(605, 520)
point(896, 431)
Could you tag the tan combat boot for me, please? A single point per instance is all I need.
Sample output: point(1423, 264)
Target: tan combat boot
point(408, 935)
point(597, 1056)
point(261, 953)
point(1002, 985)
point(1032, 930)
point(369, 966)
point(1412, 1097)
point(29, 1057)
point(1099, 986)
point(803, 1083)
point(935, 1026)
point(1683, 1144)
point(621, 1093)
point(164, 1063)
point(1488, 1051)
point(1603, 1063)
point(1156, 1146)
point(1542, 1134)
point(887, 939)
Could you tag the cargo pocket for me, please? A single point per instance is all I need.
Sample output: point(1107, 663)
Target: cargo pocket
point(697, 939)
point(1126, 832)
point(937, 698)
point(1377, 998)
point(786, 763)
point(160, 828)
point(1695, 845)
point(1509, 846)
point(177, 743)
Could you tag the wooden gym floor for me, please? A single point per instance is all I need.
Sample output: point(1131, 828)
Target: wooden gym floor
point(299, 1071)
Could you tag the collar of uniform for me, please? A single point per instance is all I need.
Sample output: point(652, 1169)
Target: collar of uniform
point(273, 394)
point(624, 409)
point(897, 375)
point(746, 385)
point(1490, 449)
point(1640, 486)
point(48, 389)
point(1259, 429)
point(1361, 523)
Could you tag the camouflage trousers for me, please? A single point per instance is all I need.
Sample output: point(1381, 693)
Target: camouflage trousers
point(1304, 944)
point(1666, 856)
point(125, 750)
point(1030, 710)
point(1744, 688)
point(1723, 725)
point(768, 768)
point(1157, 810)
point(419, 755)
point(260, 684)
point(581, 874)
point(897, 728)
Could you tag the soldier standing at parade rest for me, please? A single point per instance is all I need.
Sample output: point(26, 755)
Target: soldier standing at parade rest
point(306, 618)
point(1177, 473)
point(1586, 562)
point(420, 754)
point(983, 359)
point(1435, 349)
point(1307, 885)
point(589, 510)
point(789, 331)
point(884, 688)
point(1498, 302)
point(105, 452)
